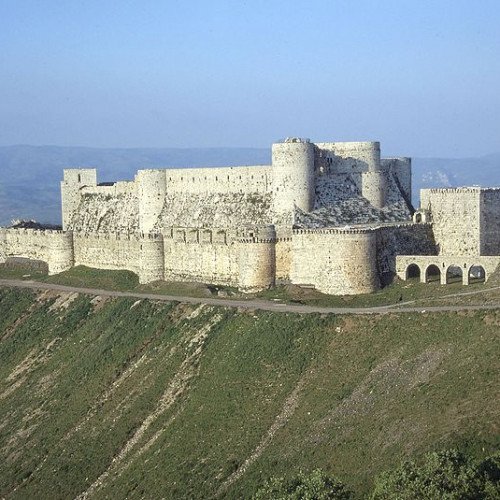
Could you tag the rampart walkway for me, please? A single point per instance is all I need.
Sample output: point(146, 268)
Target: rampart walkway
point(264, 305)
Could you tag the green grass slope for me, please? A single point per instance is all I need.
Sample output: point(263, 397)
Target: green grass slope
point(115, 398)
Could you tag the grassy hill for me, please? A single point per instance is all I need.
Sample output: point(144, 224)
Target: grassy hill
point(114, 398)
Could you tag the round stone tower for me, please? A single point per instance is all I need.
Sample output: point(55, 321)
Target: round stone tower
point(152, 189)
point(350, 268)
point(61, 255)
point(374, 180)
point(151, 258)
point(293, 178)
point(257, 259)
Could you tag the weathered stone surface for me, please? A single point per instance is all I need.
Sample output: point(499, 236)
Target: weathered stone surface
point(215, 210)
point(106, 213)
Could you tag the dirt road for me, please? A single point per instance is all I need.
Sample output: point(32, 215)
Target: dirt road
point(265, 305)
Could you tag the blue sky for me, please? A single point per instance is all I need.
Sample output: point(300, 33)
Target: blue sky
point(421, 76)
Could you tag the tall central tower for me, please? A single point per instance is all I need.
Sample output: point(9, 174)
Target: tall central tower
point(293, 177)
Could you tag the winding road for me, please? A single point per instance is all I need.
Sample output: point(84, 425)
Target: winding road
point(259, 304)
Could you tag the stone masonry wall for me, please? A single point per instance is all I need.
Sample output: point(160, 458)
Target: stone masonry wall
point(402, 239)
point(335, 261)
point(53, 247)
point(347, 157)
point(108, 250)
point(207, 256)
point(455, 218)
point(490, 222)
point(245, 179)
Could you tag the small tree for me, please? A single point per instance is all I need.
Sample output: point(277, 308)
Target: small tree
point(313, 486)
point(445, 475)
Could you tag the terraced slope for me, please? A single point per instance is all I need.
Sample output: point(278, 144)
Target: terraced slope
point(114, 398)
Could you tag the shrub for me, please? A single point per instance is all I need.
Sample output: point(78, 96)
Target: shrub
point(313, 486)
point(446, 475)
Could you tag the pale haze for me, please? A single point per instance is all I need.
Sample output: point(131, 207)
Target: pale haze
point(423, 77)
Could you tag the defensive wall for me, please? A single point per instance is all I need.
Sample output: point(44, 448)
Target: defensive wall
point(53, 247)
point(244, 259)
point(349, 261)
point(466, 221)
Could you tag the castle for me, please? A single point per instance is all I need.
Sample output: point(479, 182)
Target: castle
point(333, 216)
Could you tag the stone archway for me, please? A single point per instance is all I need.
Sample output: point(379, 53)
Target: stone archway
point(432, 274)
point(413, 271)
point(477, 274)
point(454, 274)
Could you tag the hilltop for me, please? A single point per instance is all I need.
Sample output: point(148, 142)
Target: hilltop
point(119, 397)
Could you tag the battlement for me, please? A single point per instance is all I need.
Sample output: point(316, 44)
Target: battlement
point(34, 232)
point(455, 190)
point(335, 230)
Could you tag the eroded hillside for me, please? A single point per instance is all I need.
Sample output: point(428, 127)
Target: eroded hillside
point(114, 398)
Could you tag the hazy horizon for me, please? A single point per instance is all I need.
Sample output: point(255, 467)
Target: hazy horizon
point(420, 77)
point(231, 147)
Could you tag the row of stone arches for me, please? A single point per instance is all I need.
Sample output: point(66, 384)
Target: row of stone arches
point(447, 274)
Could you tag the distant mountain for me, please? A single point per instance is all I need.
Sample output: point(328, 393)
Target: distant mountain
point(30, 175)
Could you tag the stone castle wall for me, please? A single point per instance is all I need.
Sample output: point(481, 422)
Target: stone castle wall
point(456, 219)
point(490, 221)
point(107, 250)
point(204, 255)
point(300, 175)
point(357, 260)
point(319, 259)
